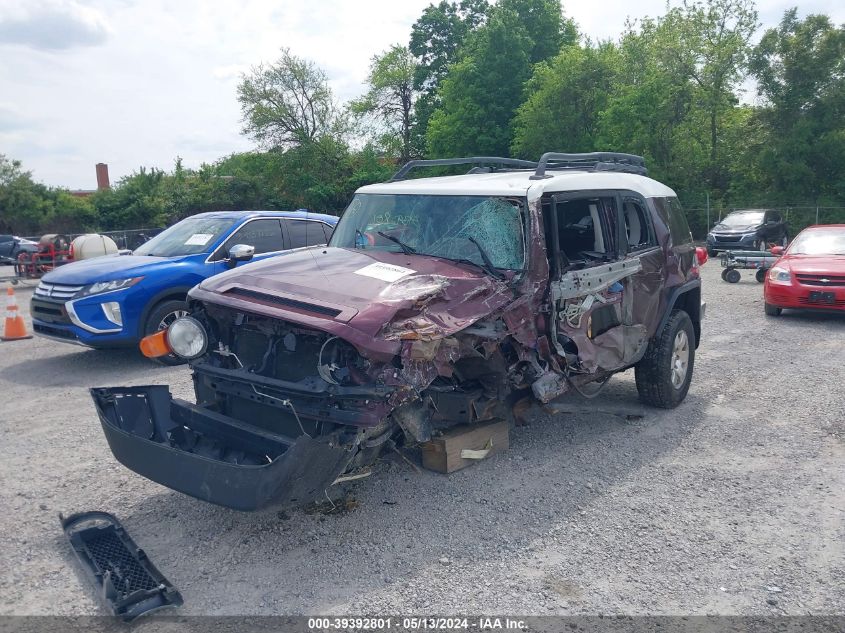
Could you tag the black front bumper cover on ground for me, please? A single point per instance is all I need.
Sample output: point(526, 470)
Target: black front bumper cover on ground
point(214, 457)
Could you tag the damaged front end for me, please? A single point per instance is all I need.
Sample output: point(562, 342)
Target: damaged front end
point(290, 397)
point(313, 364)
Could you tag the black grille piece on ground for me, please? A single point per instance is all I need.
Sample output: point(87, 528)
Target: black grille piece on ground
point(128, 582)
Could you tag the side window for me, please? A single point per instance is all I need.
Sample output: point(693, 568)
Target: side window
point(773, 216)
point(582, 229)
point(264, 235)
point(305, 233)
point(673, 215)
point(638, 227)
point(327, 231)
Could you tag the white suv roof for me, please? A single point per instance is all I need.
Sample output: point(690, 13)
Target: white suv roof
point(519, 183)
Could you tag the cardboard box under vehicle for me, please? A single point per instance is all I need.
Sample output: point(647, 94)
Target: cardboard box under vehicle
point(443, 454)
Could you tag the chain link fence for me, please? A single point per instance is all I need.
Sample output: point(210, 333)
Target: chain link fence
point(128, 239)
point(702, 219)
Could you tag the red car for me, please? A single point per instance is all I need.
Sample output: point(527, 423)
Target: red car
point(811, 273)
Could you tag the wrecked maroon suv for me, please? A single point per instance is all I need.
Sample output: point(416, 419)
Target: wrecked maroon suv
point(438, 302)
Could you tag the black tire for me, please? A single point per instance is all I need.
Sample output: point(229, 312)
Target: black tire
point(712, 252)
point(725, 274)
point(760, 275)
point(659, 383)
point(160, 317)
point(771, 310)
point(732, 276)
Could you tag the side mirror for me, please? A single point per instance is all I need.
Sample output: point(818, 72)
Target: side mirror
point(239, 253)
point(777, 250)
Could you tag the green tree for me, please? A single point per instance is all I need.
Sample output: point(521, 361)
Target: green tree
point(22, 201)
point(675, 100)
point(716, 35)
point(544, 22)
point(390, 100)
point(483, 90)
point(436, 38)
point(565, 100)
point(287, 103)
point(136, 201)
point(800, 71)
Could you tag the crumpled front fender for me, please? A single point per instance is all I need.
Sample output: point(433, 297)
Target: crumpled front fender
point(214, 457)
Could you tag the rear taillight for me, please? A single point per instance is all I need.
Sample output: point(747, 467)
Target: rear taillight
point(701, 255)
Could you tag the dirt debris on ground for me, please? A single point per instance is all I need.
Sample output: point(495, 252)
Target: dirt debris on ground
point(733, 503)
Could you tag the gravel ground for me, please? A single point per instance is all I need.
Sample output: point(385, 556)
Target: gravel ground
point(733, 503)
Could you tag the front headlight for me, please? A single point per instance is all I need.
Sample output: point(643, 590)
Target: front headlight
point(779, 274)
point(108, 286)
point(187, 338)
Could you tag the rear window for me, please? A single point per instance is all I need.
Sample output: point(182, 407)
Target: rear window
point(672, 213)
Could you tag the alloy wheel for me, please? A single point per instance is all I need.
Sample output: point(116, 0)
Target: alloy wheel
point(170, 317)
point(680, 359)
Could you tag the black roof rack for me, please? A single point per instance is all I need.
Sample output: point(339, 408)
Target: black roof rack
point(475, 160)
point(591, 161)
point(550, 161)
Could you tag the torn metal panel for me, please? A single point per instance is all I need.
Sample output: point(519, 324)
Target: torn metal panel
point(578, 283)
point(415, 420)
point(549, 386)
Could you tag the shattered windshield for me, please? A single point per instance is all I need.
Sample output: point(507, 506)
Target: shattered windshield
point(453, 227)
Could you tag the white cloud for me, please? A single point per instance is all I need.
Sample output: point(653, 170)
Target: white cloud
point(51, 24)
point(229, 71)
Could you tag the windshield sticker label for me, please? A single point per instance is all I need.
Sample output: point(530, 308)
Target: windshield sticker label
point(385, 272)
point(199, 239)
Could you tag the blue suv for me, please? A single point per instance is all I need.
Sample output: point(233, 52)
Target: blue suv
point(116, 300)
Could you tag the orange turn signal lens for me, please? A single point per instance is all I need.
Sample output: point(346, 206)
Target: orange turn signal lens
point(155, 345)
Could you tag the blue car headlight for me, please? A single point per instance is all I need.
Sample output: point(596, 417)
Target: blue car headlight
point(108, 286)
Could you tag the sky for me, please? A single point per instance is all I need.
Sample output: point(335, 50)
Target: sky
point(139, 82)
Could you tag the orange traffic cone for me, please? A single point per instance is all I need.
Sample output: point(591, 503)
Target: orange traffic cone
point(15, 329)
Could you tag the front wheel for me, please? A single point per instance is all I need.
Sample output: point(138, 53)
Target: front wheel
point(664, 374)
point(760, 275)
point(771, 310)
point(160, 318)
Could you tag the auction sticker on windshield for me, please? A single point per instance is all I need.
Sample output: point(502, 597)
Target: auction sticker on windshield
point(198, 239)
point(385, 272)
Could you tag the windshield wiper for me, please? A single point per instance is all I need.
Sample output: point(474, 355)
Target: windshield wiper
point(408, 250)
point(488, 265)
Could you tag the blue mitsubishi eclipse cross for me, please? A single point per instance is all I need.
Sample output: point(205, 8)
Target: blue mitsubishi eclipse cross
point(116, 300)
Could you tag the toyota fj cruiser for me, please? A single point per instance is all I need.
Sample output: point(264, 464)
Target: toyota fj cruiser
point(438, 301)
